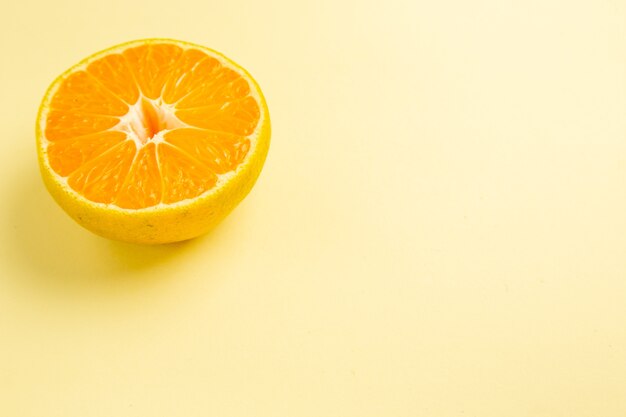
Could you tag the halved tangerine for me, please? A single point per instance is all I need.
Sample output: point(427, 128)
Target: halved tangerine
point(152, 141)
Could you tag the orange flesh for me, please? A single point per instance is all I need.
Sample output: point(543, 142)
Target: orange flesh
point(152, 124)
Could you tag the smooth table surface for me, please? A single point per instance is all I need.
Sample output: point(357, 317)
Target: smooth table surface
point(439, 230)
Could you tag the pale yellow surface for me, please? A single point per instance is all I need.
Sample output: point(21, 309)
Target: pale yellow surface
point(439, 230)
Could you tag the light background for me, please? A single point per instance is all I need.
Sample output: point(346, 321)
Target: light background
point(439, 230)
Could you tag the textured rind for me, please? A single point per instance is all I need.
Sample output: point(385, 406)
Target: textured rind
point(160, 224)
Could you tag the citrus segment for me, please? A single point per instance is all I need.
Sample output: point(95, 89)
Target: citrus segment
point(192, 70)
point(143, 185)
point(220, 151)
point(100, 179)
point(238, 117)
point(69, 154)
point(113, 73)
point(81, 93)
point(68, 124)
point(151, 65)
point(222, 85)
point(183, 176)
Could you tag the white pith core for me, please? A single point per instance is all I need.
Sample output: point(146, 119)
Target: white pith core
point(148, 120)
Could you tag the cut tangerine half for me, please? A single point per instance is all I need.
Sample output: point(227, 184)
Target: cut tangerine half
point(152, 141)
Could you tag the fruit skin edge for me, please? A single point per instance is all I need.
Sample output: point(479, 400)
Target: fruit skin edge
point(180, 221)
